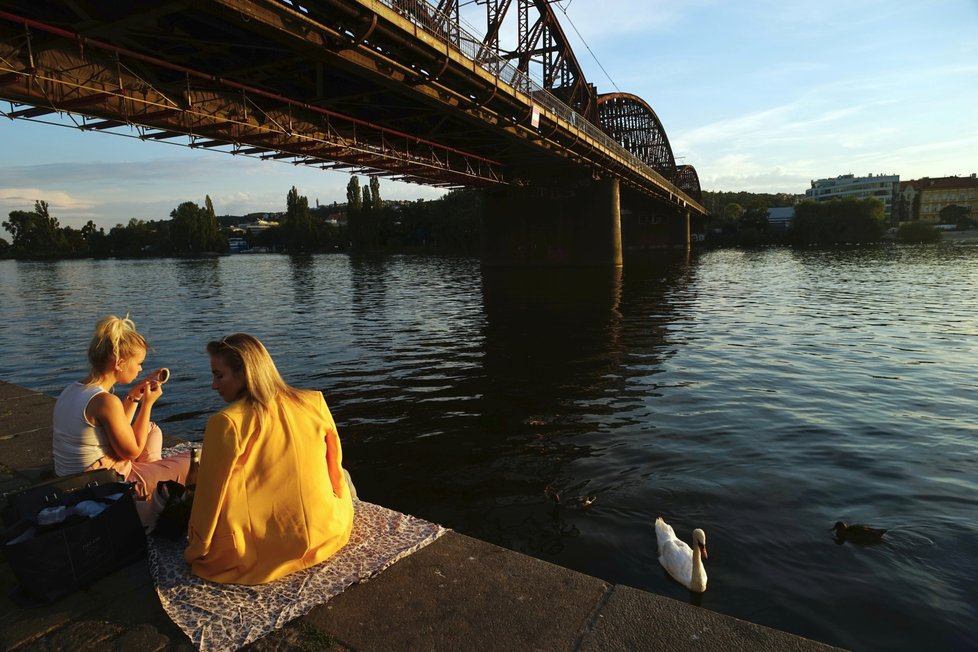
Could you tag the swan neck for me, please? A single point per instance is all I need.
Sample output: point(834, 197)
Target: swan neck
point(698, 575)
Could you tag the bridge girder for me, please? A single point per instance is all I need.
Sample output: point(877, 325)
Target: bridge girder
point(688, 181)
point(542, 50)
point(375, 85)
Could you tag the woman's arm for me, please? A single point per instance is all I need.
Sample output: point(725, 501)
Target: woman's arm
point(217, 459)
point(334, 452)
point(126, 436)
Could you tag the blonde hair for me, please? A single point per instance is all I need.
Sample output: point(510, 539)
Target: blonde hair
point(115, 339)
point(243, 353)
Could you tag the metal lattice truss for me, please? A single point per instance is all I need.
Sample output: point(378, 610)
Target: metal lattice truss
point(688, 181)
point(97, 84)
point(400, 88)
point(635, 126)
point(542, 51)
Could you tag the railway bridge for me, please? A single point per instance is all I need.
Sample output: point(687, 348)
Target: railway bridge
point(405, 89)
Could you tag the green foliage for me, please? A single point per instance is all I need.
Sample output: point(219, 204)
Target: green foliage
point(918, 231)
point(452, 223)
point(353, 196)
point(740, 218)
point(716, 201)
point(959, 216)
point(298, 230)
point(371, 224)
point(36, 234)
point(375, 201)
point(137, 238)
point(449, 224)
point(193, 230)
point(840, 221)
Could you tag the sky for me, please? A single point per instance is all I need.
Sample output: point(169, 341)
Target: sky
point(757, 95)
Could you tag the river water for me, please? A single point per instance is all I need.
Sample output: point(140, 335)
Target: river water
point(759, 395)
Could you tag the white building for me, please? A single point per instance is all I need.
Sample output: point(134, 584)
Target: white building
point(779, 219)
point(883, 187)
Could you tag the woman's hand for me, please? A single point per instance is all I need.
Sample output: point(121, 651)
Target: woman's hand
point(151, 391)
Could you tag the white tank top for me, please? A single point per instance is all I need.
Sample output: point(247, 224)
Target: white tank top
point(78, 443)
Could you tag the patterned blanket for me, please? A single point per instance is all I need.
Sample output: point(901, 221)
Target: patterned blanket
point(229, 616)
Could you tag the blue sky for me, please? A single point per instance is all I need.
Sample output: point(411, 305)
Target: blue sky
point(757, 95)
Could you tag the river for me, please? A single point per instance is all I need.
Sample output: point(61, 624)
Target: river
point(760, 395)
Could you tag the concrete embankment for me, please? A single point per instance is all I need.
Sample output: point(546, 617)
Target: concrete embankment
point(458, 593)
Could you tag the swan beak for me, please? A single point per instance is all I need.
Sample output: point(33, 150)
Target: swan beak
point(703, 552)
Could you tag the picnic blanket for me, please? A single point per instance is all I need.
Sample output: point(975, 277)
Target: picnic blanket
point(228, 616)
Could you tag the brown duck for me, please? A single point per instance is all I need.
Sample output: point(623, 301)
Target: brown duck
point(857, 533)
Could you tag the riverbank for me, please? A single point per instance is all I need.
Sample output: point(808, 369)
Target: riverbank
point(456, 593)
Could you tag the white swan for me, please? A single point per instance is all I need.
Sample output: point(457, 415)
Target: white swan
point(683, 563)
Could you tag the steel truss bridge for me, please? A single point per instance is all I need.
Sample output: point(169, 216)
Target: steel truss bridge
point(399, 88)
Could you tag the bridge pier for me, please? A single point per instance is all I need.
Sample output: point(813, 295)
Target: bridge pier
point(558, 225)
point(647, 227)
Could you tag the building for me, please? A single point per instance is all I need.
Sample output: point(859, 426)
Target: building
point(938, 194)
point(779, 219)
point(237, 245)
point(884, 187)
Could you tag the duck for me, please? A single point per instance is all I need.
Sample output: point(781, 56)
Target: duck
point(857, 533)
point(684, 564)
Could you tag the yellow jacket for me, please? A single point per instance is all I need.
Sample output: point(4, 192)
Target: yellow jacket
point(271, 497)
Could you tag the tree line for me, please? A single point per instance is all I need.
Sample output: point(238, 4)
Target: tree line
point(191, 230)
point(740, 219)
point(449, 224)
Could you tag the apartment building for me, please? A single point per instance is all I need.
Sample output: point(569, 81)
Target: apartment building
point(937, 194)
point(884, 187)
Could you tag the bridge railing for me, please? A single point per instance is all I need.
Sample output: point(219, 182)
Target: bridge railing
point(463, 37)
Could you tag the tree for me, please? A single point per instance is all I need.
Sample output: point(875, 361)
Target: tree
point(353, 214)
point(188, 233)
point(353, 196)
point(36, 234)
point(917, 231)
point(298, 228)
point(213, 240)
point(375, 201)
point(194, 229)
point(134, 239)
point(753, 226)
point(96, 240)
point(840, 221)
point(959, 216)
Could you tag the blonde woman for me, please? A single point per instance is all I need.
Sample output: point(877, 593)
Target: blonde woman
point(272, 496)
point(95, 429)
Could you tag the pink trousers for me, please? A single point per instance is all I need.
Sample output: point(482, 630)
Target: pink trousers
point(151, 468)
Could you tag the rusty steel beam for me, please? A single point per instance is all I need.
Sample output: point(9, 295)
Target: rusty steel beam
point(207, 111)
point(269, 76)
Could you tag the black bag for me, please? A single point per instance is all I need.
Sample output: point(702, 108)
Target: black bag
point(25, 503)
point(58, 559)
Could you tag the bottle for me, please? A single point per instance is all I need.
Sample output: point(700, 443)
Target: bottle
point(194, 468)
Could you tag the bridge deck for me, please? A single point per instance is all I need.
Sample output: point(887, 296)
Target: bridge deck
point(353, 83)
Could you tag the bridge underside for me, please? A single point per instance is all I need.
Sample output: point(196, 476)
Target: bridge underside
point(336, 84)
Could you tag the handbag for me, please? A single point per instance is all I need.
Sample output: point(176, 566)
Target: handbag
point(52, 560)
point(24, 503)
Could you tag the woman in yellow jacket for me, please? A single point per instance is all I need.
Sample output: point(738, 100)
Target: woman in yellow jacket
point(271, 496)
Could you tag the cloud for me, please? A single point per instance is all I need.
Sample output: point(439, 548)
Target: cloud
point(189, 168)
point(56, 200)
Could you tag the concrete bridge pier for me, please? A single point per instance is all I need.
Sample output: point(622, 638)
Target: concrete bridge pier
point(647, 227)
point(568, 224)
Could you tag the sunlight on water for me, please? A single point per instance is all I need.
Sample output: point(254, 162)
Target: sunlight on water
point(760, 395)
